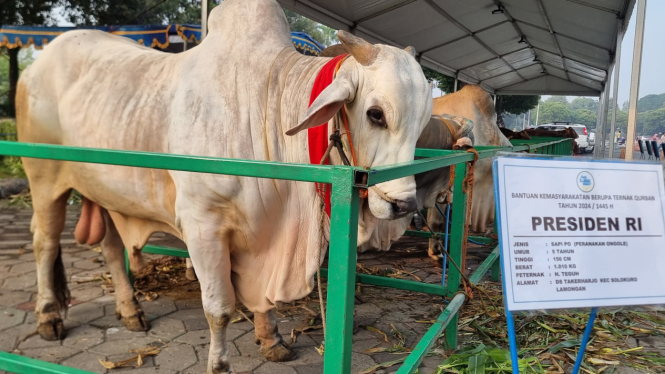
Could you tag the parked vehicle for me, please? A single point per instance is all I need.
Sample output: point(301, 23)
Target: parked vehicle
point(583, 141)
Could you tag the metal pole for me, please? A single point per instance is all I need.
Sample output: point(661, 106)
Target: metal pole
point(635, 78)
point(615, 89)
point(601, 120)
point(495, 101)
point(204, 18)
point(528, 121)
point(537, 113)
point(585, 340)
point(455, 88)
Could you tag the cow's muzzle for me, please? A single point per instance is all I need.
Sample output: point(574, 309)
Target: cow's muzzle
point(404, 207)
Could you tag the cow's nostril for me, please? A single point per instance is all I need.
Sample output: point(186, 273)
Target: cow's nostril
point(404, 207)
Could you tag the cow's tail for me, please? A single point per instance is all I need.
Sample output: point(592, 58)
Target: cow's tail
point(62, 294)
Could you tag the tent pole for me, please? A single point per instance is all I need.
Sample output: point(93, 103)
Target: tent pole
point(601, 121)
point(455, 88)
point(537, 113)
point(204, 18)
point(615, 88)
point(635, 78)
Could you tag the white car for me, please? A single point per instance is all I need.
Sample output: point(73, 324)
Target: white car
point(583, 141)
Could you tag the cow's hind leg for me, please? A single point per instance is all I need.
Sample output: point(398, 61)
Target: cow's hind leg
point(273, 346)
point(53, 294)
point(127, 307)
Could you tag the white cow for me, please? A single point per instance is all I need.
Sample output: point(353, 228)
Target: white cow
point(236, 95)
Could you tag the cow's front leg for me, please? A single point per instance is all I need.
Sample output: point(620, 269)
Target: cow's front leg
point(209, 251)
point(273, 346)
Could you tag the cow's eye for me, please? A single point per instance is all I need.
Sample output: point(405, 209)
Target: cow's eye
point(376, 117)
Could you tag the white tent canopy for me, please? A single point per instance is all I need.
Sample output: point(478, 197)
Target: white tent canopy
point(509, 47)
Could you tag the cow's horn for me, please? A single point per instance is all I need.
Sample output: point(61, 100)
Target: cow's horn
point(410, 50)
point(361, 50)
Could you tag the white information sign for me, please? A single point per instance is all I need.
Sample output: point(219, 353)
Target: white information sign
point(580, 234)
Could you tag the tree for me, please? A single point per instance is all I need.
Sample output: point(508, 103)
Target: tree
point(585, 103)
point(555, 111)
point(557, 99)
point(21, 12)
point(133, 12)
point(322, 34)
point(585, 117)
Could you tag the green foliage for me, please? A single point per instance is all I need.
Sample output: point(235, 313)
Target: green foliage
point(10, 166)
point(551, 111)
point(585, 103)
point(650, 102)
point(484, 359)
point(585, 117)
point(26, 12)
point(25, 58)
point(133, 12)
point(557, 99)
point(322, 34)
point(516, 104)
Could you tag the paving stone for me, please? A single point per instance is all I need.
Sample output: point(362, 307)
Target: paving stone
point(12, 298)
point(152, 370)
point(83, 337)
point(107, 322)
point(51, 354)
point(193, 303)
point(652, 341)
point(203, 350)
point(11, 317)
point(22, 268)
point(36, 341)
point(9, 262)
point(302, 341)
point(199, 337)
point(304, 356)
point(166, 328)
point(86, 264)
point(159, 308)
point(309, 369)
point(274, 368)
point(14, 244)
point(198, 368)
point(361, 362)
point(176, 357)
point(87, 254)
point(121, 333)
point(86, 361)
point(22, 282)
point(245, 364)
point(367, 310)
point(87, 292)
point(118, 347)
point(106, 299)
point(85, 312)
point(243, 325)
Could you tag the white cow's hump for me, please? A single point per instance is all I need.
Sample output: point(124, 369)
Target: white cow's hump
point(245, 26)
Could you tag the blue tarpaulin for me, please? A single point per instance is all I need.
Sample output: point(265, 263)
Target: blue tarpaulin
point(154, 36)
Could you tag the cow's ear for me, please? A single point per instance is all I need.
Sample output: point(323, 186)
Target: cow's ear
point(326, 105)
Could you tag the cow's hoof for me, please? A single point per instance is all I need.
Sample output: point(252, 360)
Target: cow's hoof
point(190, 274)
point(279, 352)
point(137, 322)
point(51, 330)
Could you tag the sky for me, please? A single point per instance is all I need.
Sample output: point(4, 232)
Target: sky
point(653, 58)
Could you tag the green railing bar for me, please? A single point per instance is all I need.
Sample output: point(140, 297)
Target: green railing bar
point(168, 251)
point(402, 284)
point(485, 266)
point(385, 173)
point(25, 365)
point(422, 348)
point(201, 164)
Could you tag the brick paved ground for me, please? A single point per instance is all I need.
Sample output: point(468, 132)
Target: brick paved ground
point(178, 322)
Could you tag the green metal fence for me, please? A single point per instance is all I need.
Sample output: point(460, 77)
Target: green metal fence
point(347, 182)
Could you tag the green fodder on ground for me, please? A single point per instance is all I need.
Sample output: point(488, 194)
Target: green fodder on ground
point(548, 343)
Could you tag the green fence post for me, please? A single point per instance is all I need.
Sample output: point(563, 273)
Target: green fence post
point(456, 243)
point(341, 273)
